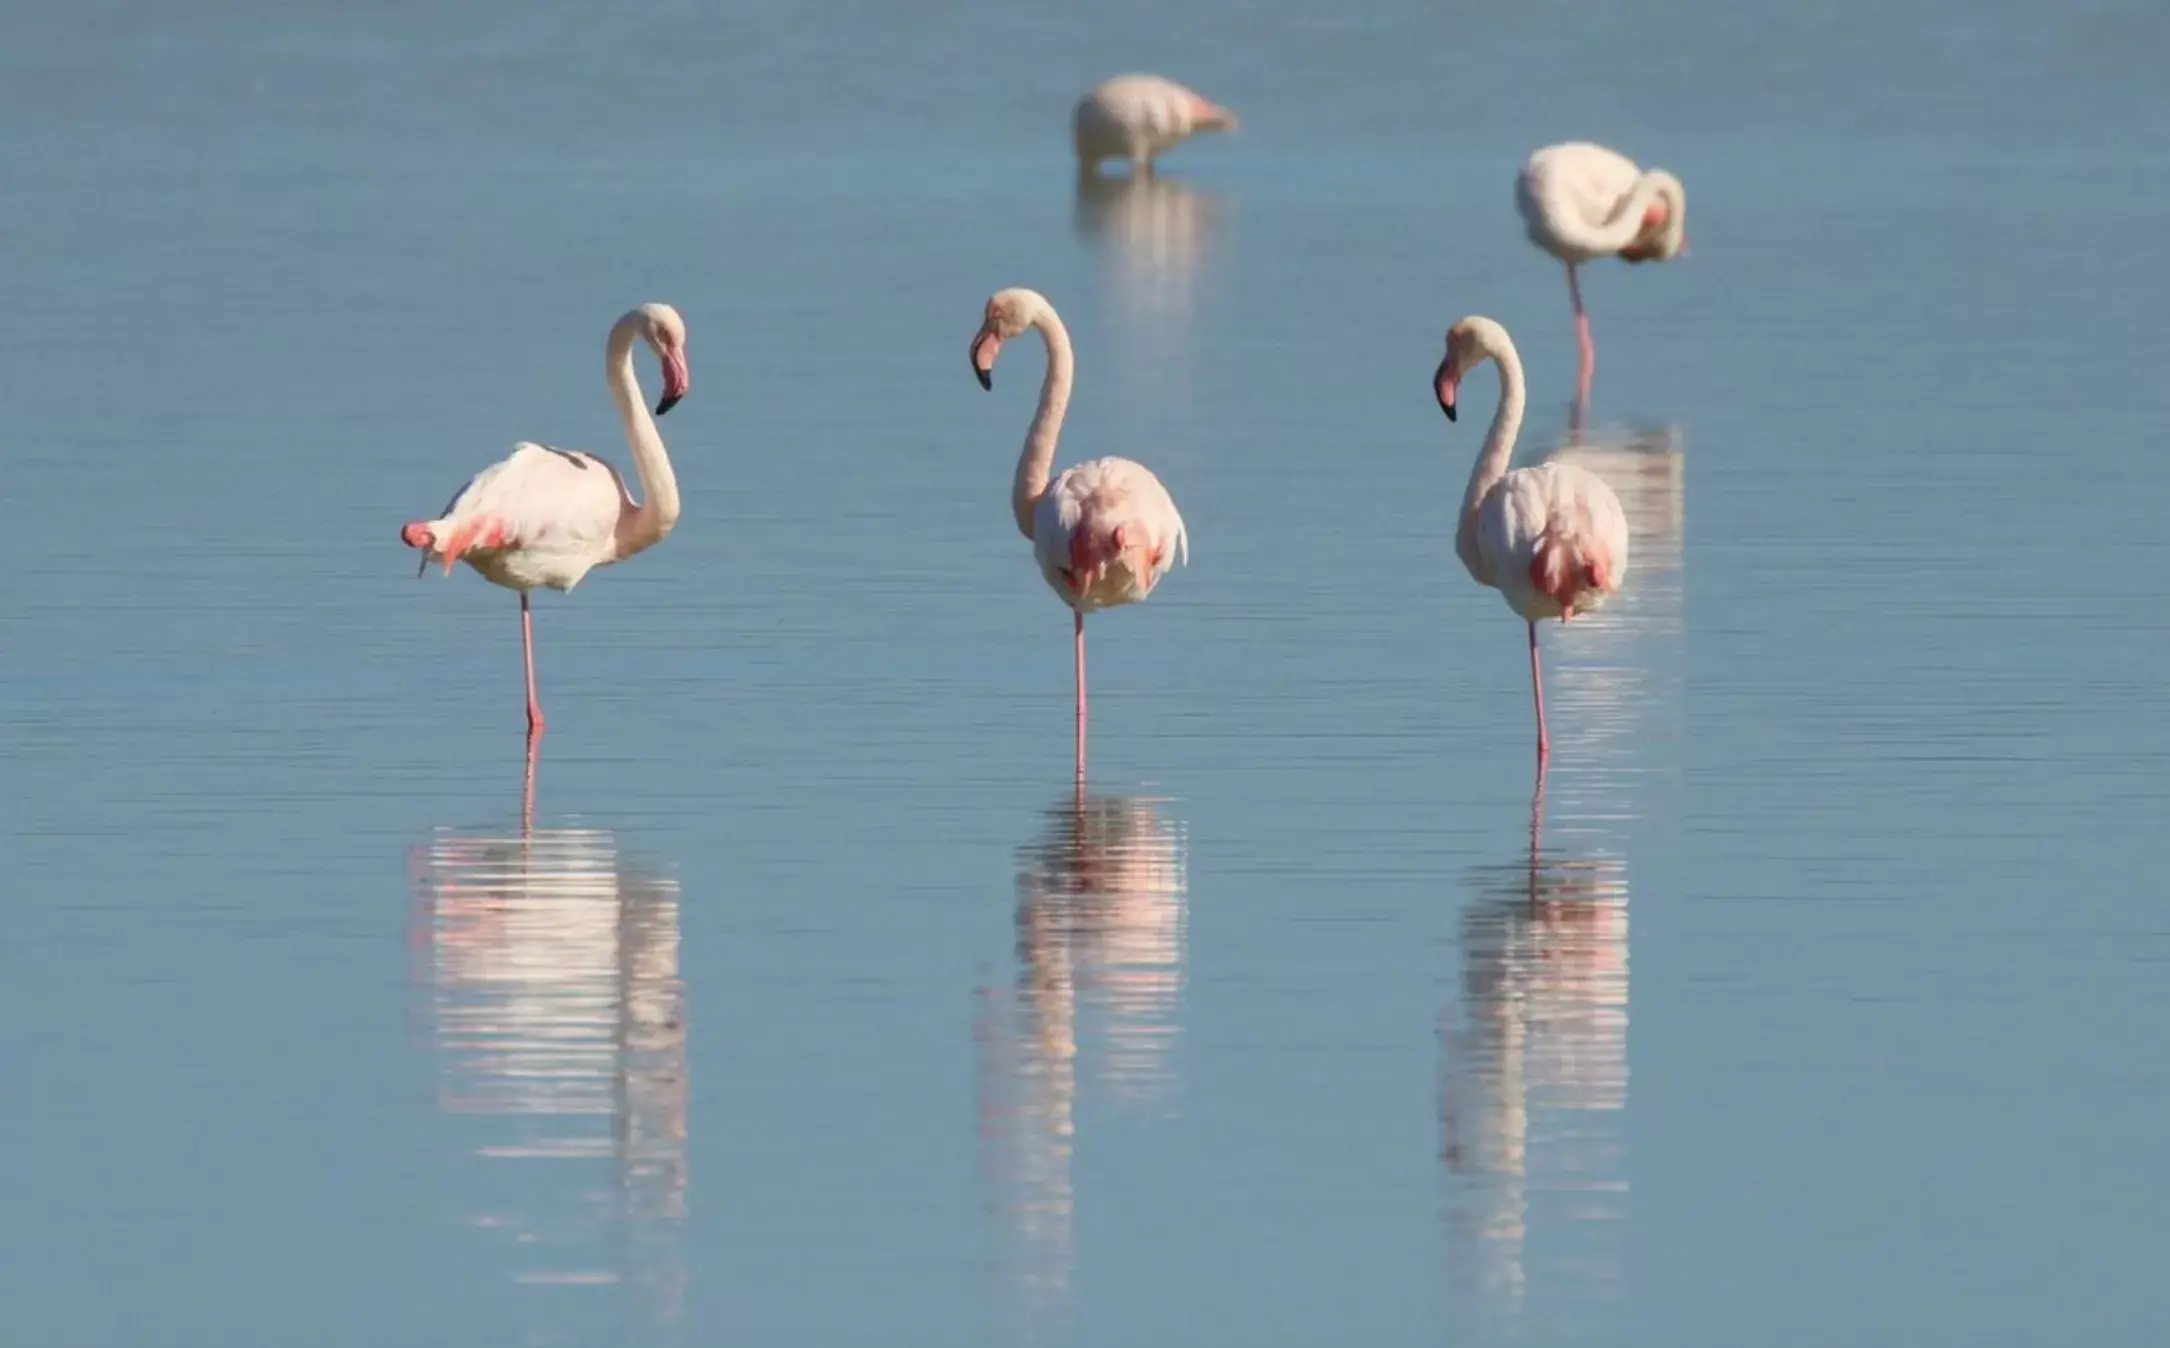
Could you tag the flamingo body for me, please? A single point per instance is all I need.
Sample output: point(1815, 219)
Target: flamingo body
point(1552, 540)
point(1105, 532)
point(540, 518)
point(1570, 197)
point(1140, 118)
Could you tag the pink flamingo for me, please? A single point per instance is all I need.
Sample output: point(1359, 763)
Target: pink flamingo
point(1581, 202)
point(1551, 539)
point(1139, 118)
point(546, 516)
point(1104, 532)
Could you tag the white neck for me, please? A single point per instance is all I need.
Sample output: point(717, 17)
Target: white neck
point(642, 525)
point(1037, 461)
point(1622, 228)
point(1498, 449)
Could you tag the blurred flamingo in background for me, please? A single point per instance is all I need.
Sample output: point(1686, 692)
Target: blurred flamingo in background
point(1105, 531)
point(1139, 118)
point(1551, 539)
point(547, 516)
point(1581, 202)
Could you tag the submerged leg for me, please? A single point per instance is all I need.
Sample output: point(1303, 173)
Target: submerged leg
point(527, 649)
point(1537, 690)
point(527, 785)
point(1587, 348)
point(1080, 629)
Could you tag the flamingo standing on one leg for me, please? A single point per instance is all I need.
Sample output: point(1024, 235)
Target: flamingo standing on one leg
point(1139, 118)
point(546, 516)
point(1551, 539)
point(1581, 202)
point(1104, 532)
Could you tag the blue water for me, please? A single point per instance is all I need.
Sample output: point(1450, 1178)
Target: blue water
point(1821, 1004)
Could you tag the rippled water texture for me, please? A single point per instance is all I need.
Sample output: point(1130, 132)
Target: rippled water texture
point(795, 996)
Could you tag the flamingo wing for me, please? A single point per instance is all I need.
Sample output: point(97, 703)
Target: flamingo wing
point(537, 499)
point(1578, 184)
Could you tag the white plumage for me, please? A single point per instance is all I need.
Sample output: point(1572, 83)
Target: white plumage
point(1135, 524)
point(1139, 118)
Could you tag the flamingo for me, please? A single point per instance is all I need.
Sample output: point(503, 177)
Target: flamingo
point(1581, 202)
point(1551, 539)
point(1105, 531)
point(548, 516)
point(1139, 118)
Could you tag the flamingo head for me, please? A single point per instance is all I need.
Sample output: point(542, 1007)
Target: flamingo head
point(1009, 312)
point(1664, 233)
point(1469, 343)
point(1206, 115)
point(665, 333)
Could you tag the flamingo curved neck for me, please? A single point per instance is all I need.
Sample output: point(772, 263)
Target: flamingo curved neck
point(644, 524)
point(1498, 449)
point(1623, 227)
point(1037, 461)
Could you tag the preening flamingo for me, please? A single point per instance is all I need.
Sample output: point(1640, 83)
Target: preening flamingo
point(1551, 539)
point(547, 516)
point(1104, 532)
point(1139, 118)
point(1581, 202)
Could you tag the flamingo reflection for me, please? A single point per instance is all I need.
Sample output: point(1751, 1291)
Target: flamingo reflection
point(1534, 1074)
point(552, 982)
point(1155, 232)
point(1101, 898)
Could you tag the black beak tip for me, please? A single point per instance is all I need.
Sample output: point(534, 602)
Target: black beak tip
point(986, 378)
point(669, 401)
point(1447, 408)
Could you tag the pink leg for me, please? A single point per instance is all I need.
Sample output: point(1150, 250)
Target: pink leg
point(527, 785)
point(1588, 349)
point(527, 647)
point(1537, 688)
point(1080, 698)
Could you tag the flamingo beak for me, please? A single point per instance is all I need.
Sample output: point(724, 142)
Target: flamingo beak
point(985, 348)
point(1444, 383)
point(676, 381)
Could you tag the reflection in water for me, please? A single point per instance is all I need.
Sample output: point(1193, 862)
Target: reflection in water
point(552, 981)
point(1100, 920)
point(1534, 1077)
point(1155, 231)
point(1617, 672)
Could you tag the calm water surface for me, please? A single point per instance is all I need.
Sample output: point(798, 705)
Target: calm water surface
point(1817, 1000)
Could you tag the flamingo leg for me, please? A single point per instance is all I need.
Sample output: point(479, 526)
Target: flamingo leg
point(527, 649)
point(1080, 632)
point(527, 785)
point(1537, 690)
point(1587, 349)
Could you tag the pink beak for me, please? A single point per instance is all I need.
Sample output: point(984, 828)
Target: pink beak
point(676, 381)
point(985, 348)
point(1444, 383)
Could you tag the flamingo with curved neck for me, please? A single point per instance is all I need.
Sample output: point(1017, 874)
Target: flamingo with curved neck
point(1551, 539)
point(1580, 202)
point(544, 516)
point(1104, 531)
